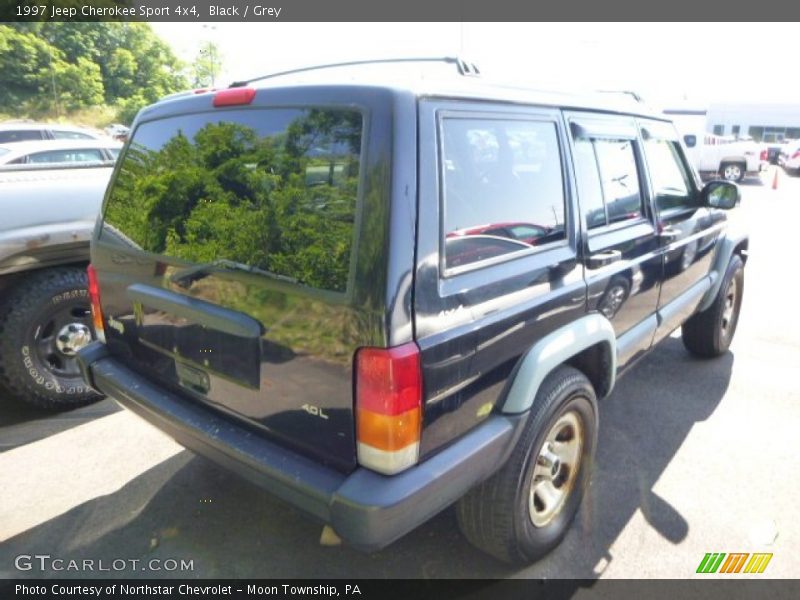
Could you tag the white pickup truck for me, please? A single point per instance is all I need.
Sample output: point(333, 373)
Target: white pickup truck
point(727, 157)
point(47, 219)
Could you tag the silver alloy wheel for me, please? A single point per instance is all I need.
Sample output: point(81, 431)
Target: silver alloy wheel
point(72, 338)
point(732, 172)
point(616, 296)
point(728, 312)
point(556, 469)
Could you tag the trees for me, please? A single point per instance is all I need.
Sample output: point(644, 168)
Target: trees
point(49, 67)
point(207, 66)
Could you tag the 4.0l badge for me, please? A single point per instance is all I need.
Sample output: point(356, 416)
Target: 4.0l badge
point(314, 410)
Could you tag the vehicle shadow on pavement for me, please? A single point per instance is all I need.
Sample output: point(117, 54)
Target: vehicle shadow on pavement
point(753, 182)
point(22, 423)
point(187, 508)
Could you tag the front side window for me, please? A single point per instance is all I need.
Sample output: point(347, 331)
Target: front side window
point(503, 191)
point(670, 180)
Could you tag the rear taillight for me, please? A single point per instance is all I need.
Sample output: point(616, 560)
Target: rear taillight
point(795, 155)
point(94, 299)
point(764, 155)
point(388, 407)
point(234, 97)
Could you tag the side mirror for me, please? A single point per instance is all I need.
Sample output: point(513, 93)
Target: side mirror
point(721, 194)
point(690, 141)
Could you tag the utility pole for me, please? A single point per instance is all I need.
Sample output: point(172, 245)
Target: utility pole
point(212, 52)
point(53, 77)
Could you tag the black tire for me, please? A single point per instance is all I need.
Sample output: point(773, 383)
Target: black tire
point(709, 333)
point(496, 515)
point(737, 171)
point(34, 312)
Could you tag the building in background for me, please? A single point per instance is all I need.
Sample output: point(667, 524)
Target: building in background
point(762, 122)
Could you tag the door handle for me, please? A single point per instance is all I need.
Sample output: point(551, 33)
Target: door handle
point(601, 259)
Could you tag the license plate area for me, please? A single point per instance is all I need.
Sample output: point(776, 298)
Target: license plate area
point(201, 337)
point(194, 379)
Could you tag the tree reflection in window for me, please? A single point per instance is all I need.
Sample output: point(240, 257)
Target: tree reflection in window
point(273, 189)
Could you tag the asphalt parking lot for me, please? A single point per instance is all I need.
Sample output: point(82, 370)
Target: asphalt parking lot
point(694, 457)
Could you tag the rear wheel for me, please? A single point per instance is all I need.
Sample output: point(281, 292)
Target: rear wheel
point(525, 509)
point(710, 333)
point(732, 171)
point(45, 320)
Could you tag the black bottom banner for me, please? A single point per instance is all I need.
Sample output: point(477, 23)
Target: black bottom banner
point(408, 589)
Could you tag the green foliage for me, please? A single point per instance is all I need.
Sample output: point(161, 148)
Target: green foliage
point(49, 67)
point(79, 84)
point(207, 66)
point(284, 203)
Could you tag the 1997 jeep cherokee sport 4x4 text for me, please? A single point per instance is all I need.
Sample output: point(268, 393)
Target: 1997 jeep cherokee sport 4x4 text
point(376, 299)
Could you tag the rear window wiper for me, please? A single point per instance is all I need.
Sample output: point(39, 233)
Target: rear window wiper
point(185, 277)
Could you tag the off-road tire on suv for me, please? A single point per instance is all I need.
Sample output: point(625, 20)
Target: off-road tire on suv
point(497, 516)
point(709, 333)
point(35, 365)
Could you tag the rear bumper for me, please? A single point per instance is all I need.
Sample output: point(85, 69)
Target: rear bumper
point(366, 509)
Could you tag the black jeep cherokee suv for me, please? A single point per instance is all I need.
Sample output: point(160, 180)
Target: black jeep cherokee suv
point(379, 296)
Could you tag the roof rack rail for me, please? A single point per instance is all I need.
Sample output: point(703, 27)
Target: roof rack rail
point(463, 67)
point(629, 93)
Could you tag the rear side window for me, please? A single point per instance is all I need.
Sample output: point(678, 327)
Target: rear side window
point(67, 156)
point(22, 135)
point(503, 191)
point(608, 181)
point(273, 189)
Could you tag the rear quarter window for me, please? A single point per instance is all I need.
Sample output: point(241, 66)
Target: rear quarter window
point(503, 190)
point(274, 189)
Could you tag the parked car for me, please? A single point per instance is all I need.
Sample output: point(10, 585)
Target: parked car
point(790, 157)
point(118, 132)
point(727, 157)
point(48, 216)
point(27, 132)
point(59, 151)
point(528, 233)
point(278, 281)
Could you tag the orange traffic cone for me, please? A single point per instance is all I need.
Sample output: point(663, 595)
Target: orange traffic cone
point(775, 180)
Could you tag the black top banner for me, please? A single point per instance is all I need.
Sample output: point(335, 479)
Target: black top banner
point(256, 11)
